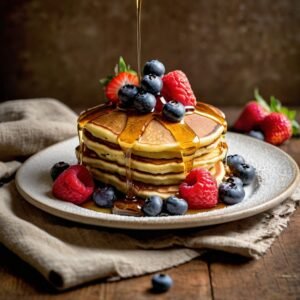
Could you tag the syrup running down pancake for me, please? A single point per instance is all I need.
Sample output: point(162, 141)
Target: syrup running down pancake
point(143, 155)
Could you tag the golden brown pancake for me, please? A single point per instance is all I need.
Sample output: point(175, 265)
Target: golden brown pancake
point(150, 153)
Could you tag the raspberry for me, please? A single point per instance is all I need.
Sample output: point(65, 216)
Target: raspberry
point(199, 189)
point(74, 185)
point(176, 86)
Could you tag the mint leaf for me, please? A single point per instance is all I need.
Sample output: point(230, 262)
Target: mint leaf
point(260, 100)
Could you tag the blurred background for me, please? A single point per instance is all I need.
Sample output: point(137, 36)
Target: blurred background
point(61, 49)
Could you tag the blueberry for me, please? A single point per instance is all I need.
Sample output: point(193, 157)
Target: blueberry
point(144, 102)
point(152, 206)
point(105, 197)
point(234, 160)
point(161, 283)
point(127, 94)
point(152, 84)
point(58, 168)
point(245, 172)
point(236, 180)
point(257, 134)
point(173, 111)
point(176, 206)
point(154, 67)
point(231, 193)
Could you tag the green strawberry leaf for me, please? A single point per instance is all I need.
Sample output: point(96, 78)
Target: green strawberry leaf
point(105, 81)
point(132, 72)
point(261, 100)
point(275, 104)
point(122, 67)
point(295, 128)
point(291, 115)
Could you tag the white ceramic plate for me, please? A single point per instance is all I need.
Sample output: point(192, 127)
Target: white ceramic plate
point(277, 172)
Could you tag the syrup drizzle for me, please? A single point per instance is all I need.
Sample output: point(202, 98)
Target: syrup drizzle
point(138, 35)
point(211, 112)
point(188, 141)
point(135, 126)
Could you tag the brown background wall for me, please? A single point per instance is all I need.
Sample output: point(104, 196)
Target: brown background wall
point(61, 48)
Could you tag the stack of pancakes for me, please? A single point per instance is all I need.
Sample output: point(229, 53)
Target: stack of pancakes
point(151, 155)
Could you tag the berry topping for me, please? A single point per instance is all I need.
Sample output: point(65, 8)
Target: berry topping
point(127, 94)
point(144, 102)
point(154, 67)
point(199, 189)
point(250, 118)
point(113, 87)
point(58, 168)
point(245, 172)
point(235, 180)
point(173, 111)
point(161, 283)
point(257, 134)
point(152, 84)
point(177, 87)
point(74, 185)
point(231, 193)
point(234, 160)
point(153, 206)
point(277, 128)
point(105, 197)
point(175, 206)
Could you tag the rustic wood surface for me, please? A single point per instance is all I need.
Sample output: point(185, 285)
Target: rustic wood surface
point(214, 276)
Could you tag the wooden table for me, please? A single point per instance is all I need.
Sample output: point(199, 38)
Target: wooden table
point(213, 276)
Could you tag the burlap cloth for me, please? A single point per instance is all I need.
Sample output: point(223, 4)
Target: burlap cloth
point(67, 253)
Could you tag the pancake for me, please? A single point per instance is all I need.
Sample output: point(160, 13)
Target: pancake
point(147, 154)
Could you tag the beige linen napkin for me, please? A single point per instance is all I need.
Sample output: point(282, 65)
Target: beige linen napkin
point(27, 126)
point(68, 254)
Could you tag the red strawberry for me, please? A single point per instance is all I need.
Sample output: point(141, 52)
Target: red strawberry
point(74, 185)
point(277, 128)
point(112, 88)
point(177, 87)
point(199, 189)
point(250, 118)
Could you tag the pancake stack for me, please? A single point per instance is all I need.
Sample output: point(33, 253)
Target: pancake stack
point(145, 155)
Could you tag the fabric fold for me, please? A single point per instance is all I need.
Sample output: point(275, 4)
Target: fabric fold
point(69, 254)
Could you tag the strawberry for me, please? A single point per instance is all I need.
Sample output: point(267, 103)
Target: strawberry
point(251, 117)
point(123, 75)
point(199, 189)
point(75, 185)
point(276, 128)
point(254, 114)
point(177, 87)
point(112, 88)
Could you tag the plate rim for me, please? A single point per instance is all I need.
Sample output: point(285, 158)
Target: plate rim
point(181, 222)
